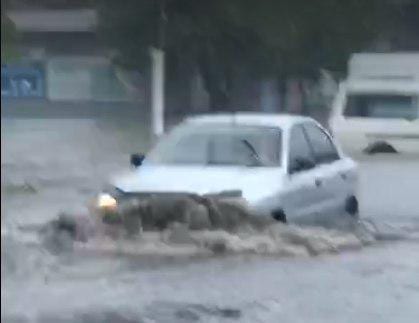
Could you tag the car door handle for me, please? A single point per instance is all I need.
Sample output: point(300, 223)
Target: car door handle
point(318, 182)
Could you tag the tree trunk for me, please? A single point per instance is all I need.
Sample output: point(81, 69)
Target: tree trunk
point(282, 90)
point(304, 107)
point(218, 100)
point(218, 88)
point(217, 80)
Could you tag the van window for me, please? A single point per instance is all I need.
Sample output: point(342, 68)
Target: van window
point(382, 106)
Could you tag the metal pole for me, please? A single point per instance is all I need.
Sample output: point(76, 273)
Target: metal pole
point(157, 74)
point(157, 91)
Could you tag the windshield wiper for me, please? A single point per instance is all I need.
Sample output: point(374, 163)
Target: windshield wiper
point(253, 151)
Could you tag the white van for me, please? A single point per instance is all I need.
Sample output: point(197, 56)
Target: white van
point(377, 108)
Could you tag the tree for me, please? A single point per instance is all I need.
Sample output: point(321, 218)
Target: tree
point(8, 40)
point(203, 33)
point(8, 37)
point(278, 38)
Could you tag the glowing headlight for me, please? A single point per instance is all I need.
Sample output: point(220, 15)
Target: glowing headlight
point(106, 201)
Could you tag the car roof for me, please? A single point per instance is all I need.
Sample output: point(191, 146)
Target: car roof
point(251, 119)
point(380, 86)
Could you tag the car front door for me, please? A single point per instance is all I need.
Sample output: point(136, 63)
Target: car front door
point(304, 193)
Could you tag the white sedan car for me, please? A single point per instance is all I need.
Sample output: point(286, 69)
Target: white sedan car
point(286, 167)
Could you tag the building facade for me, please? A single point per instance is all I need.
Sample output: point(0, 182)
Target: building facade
point(61, 58)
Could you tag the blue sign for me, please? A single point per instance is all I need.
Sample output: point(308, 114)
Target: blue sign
point(22, 82)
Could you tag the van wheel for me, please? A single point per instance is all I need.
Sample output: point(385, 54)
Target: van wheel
point(280, 216)
point(379, 147)
point(352, 206)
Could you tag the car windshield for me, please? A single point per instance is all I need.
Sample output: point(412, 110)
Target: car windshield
point(382, 106)
point(219, 145)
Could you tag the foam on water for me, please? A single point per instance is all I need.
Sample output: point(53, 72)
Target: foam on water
point(278, 240)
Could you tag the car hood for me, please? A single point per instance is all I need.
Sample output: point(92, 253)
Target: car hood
point(254, 182)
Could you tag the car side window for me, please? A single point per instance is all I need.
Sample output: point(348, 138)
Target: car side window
point(300, 153)
point(323, 148)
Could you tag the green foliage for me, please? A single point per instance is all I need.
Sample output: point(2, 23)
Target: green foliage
point(308, 35)
point(264, 38)
point(8, 39)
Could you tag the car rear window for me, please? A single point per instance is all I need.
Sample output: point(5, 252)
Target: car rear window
point(382, 106)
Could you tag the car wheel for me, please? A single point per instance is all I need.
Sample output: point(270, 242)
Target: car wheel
point(279, 215)
point(380, 147)
point(352, 206)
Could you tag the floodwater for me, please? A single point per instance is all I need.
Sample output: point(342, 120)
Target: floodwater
point(54, 165)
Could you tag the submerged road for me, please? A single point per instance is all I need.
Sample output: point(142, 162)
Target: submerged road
point(65, 161)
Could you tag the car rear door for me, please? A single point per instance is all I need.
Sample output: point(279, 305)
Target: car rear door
point(332, 176)
point(303, 194)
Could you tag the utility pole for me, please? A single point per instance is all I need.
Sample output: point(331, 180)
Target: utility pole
point(157, 75)
point(157, 91)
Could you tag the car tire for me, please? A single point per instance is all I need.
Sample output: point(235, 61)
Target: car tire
point(380, 147)
point(352, 206)
point(279, 215)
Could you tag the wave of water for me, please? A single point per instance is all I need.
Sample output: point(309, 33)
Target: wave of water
point(105, 269)
point(23, 251)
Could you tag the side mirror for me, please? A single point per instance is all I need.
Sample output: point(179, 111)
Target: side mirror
point(300, 164)
point(137, 160)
